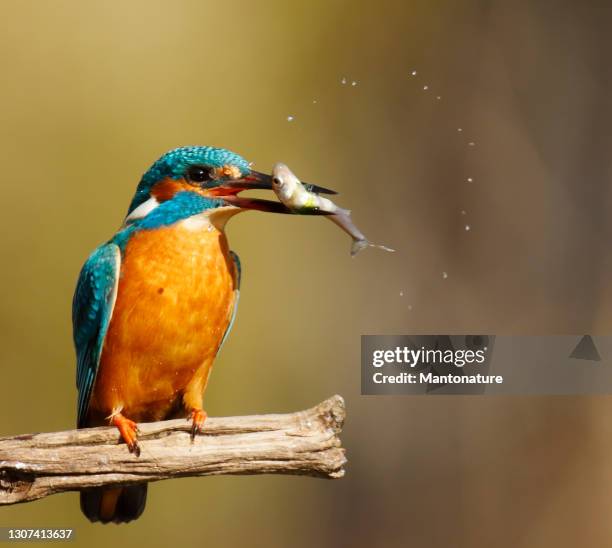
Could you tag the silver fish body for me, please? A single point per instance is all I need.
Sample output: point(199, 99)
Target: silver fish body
point(295, 196)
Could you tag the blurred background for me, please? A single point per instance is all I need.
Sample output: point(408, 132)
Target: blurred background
point(507, 235)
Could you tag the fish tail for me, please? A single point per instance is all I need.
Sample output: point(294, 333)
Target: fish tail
point(358, 245)
point(384, 248)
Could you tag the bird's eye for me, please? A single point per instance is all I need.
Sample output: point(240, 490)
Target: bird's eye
point(198, 174)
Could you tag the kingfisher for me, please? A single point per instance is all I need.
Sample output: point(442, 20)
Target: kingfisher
point(155, 303)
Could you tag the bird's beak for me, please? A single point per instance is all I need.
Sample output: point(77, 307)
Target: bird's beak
point(228, 190)
point(253, 181)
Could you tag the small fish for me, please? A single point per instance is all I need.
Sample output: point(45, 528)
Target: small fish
point(300, 199)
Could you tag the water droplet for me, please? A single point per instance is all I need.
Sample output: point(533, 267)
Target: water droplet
point(459, 129)
point(463, 212)
point(467, 228)
point(314, 101)
point(414, 73)
point(409, 307)
point(343, 81)
point(290, 118)
point(438, 97)
point(444, 275)
point(471, 143)
point(354, 83)
point(469, 179)
point(401, 293)
point(425, 88)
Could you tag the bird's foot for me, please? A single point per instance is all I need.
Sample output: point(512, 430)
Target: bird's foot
point(197, 418)
point(128, 430)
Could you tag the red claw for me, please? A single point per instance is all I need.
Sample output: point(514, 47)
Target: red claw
point(197, 417)
point(128, 430)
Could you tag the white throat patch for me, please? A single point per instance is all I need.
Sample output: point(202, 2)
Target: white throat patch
point(211, 219)
point(141, 211)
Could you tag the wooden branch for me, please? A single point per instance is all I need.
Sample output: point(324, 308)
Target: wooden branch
point(33, 466)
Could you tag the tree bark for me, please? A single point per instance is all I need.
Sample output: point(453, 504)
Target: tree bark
point(33, 466)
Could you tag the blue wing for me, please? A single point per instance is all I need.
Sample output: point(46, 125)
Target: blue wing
point(236, 260)
point(92, 308)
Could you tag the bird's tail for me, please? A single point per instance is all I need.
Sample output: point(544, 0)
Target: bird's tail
point(117, 504)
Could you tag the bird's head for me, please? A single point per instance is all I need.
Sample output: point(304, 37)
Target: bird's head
point(213, 173)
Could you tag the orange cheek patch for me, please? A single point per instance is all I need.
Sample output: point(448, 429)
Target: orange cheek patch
point(167, 188)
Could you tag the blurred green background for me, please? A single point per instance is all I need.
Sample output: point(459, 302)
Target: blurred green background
point(93, 92)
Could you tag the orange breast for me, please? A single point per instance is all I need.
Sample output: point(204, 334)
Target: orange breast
point(174, 303)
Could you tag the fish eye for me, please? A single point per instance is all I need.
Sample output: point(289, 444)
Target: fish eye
point(198, 174)
point(277, 181)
